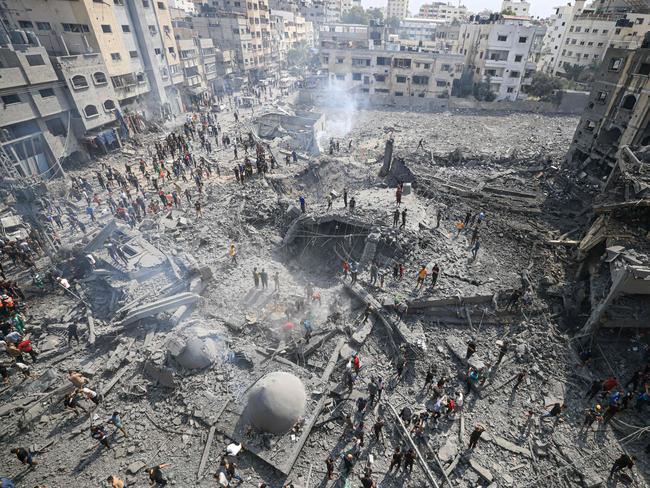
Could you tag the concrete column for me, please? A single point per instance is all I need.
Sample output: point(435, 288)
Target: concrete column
point(388, 157)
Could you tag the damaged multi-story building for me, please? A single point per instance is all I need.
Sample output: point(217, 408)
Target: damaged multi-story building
point(360, 59)
point(502, 52)
point(618, 112)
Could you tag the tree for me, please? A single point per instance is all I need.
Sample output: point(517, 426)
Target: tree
point(300, 55)
point(580, 73)
point(544, 86)
point(375, 14)
point(392, 23)
point(508, 11)
point(356, 15)
point(483, 92)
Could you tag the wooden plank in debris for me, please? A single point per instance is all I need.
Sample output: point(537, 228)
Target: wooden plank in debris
point(206, 450)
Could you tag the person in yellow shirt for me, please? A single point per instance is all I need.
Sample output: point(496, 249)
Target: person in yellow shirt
point(422, 274)
point(232, 252)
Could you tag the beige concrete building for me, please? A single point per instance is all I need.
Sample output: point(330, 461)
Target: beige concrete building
point(398, 9)
point(519, 8)
point(443, 11)
point(504, 53)
point(35, 113)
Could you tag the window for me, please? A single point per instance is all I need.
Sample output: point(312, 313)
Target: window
point(629, 101)
point(523, 40)
point(615, 64)
point(511, 89)
point(99, 78)
point(578, 29)
point(601, 96)
point(420, 80)
point(360, 62)
point(340, 77)
point(381, 90)
point(157, 51)
point(118, 2)
point(140, 78)
point(90, 111)
point(161, 6)
point(44, 26)
point(79, 82)
point(380, 78)
point(446, 68)
point(518, 58)
point(600, 44)
point(594, 31)
point(116, 56)
point(171, 50)
point(106, 29)
point(590, 44)
point(133, 54)
point(441, 83)
point(56, 127)
point(46, 92)
point(356, 76)
point(644, 69)
point(152, 30)
point(596, 56)
point(515, 74)
point(381, 61)
point(590, 126)
point(340, 60)
point(35, 60)
point(586, 31)
point(126, 28)
point(639, 21)
point(401, 79)
point(605, 31)
point(502, 38)
point(77, 28)
point(166, 29)
point(145, 3)
point(10, 99)
point(585, 55)
point(109, 105)
point(26, 24)
point(402, 63)
point(399, 94)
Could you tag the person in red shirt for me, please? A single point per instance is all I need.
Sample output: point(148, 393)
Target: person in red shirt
point(608, 385)
point(356, 362)
point(346, 269)
point(26, 346)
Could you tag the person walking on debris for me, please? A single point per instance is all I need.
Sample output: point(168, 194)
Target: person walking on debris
point(520, 377)
point(475, 248)
point(396, 460)
point(435, 271)
point(276, 281)
point(555, 411)
point(353, 203)
point(409, 460)
point(302, 203)
point(98, 433)
point(421, 144)
point(329, 202)
point(264, 276)
point(428, 379)
point(345, 198)
point(156, 477)
point(329, 462)
point(378, 428)
point(623, 462)
point(438, 217)
point(403, 219)
point(374, 271)
point(591, 415)
point(73, 333)
point(471, 349)
point(422, 274)
point(256, 277)
point(396, 217)
point(398, 195)
point(116, 420)
point(475, 436)
point(199, 209)
point(232, 252)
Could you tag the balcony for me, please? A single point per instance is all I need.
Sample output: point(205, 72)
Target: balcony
point(496, 63)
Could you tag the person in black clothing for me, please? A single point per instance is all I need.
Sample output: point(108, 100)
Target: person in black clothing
point(406, 415)
point(395, 217)
point(634, 380)
point(379, 431)
point(73, 333)
point(594, 389)
point(403, 219)
point(471, 349)
point(24, 456)
point(329, 462)
point(409, 460)
point(621, 463)
point(428, 379)
point(396, 461)
point(475, 435)
point(155, 475)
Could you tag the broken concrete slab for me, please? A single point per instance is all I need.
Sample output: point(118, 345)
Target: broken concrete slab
point(484, 472)
point(159, 306)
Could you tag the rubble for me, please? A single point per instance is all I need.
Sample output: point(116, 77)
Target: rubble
point(195, 355)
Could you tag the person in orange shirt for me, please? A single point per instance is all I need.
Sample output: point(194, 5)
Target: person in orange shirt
point(422, 274)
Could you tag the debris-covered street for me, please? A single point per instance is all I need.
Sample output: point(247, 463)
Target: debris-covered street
point(349, 296)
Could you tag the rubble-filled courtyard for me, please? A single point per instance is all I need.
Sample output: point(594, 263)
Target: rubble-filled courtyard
point(427, 289)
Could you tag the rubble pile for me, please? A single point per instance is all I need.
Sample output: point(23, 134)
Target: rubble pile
point(318, 316)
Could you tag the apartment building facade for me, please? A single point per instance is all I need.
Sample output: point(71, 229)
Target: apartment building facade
point(503, 53)
point(419, 29)
point(618, 112)
point(519, 8)
point(443, 11)
point(134, 40)
point(580, 34)
point(36, 114)
point(398, 9)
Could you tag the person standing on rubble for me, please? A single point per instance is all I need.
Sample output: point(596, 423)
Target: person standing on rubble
point(475, 248)
point(276, 281)
point(403, 219)
point(329, 202)
point(475, 436)
point(301, 199)
point(264, 276)
point(345, 198)
point(396, 460)
point(624, 461)
point(398, 195)
point(396, 217)
point(374, 271)
point(73, 333)
point(435, 271)
point(116, 420)
point(422, 274)
point(98, 433)
point(256, 277)
point(232, 252)
point(329, 462)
